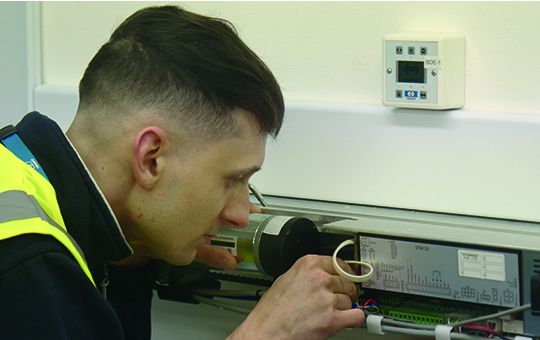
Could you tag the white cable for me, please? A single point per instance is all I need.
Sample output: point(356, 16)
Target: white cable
point(351, 277)
point(408, 324)
point(429, 334)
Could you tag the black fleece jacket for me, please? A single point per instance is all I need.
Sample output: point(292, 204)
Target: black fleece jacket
point(44, 294)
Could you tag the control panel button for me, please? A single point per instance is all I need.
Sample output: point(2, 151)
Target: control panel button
point(411, 94)
point(399, 94)
point(423, 95)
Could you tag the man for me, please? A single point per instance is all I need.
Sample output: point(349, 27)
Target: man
point(172, 122)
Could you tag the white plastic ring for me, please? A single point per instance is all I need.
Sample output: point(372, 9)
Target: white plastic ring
point(374, 324)
point(351, 277)
point(442, 332)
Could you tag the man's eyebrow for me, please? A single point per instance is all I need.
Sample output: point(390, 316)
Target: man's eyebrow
point(252, 170)
point(247, 170)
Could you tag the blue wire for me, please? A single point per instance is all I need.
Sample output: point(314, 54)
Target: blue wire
point(373, 305)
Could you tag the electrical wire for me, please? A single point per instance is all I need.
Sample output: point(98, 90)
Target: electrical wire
point(456, 324)
point(257, 294)
point(374, 306)
point(367, 303)
point(403, 322)
point(418, 326)
point(492, 316)
point(399, 326)
point(408, 324)
point(485, 330)
point(222, 305)
point(392, 324)
point(389, 329)
point(428, 333)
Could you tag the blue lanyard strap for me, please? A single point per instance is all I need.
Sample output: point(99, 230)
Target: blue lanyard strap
point(10, 139)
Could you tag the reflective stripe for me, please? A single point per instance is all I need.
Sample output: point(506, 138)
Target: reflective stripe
point(18, 205)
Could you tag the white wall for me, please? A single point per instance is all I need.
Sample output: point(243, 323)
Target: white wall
point(18, 71)
point(332, 51)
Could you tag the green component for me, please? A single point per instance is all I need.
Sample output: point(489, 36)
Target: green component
point(385, 310)
point(391, 300)
point(422, 310)
point(418, 317)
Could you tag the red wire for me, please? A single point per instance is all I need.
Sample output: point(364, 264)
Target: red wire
point(367, 302)
point(482, 328)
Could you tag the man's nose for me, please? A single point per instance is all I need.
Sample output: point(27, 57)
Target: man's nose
point(236, 211)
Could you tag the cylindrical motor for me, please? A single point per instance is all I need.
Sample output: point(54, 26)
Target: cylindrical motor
point(270, 244)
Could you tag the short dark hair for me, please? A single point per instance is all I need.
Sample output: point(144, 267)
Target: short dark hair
point(169, 59)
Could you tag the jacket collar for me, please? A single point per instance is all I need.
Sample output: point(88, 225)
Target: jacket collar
point(87, 215)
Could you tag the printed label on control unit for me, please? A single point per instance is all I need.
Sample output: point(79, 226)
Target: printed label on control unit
point(433, 62)
point(481, 265)
point(227, 242)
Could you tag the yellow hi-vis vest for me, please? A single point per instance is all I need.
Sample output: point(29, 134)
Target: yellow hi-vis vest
point(28, 205)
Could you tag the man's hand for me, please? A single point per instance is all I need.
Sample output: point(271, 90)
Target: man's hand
point(311, 301)
point(216, 257)
point(219, 257)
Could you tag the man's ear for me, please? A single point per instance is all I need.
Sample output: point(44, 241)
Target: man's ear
point(148, 148)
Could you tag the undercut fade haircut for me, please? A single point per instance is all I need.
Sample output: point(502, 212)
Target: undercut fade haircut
point(189, 67)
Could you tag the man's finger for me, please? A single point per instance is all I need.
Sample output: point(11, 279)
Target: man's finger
point(351, 318)
point(216, 257)
point(253, 209)
point(328, 266)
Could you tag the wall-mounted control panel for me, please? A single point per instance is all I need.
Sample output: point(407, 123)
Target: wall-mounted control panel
point(424, 70)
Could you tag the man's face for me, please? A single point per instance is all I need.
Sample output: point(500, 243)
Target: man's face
point(200, 191)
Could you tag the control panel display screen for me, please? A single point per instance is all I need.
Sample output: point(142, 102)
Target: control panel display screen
point(411, 71)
